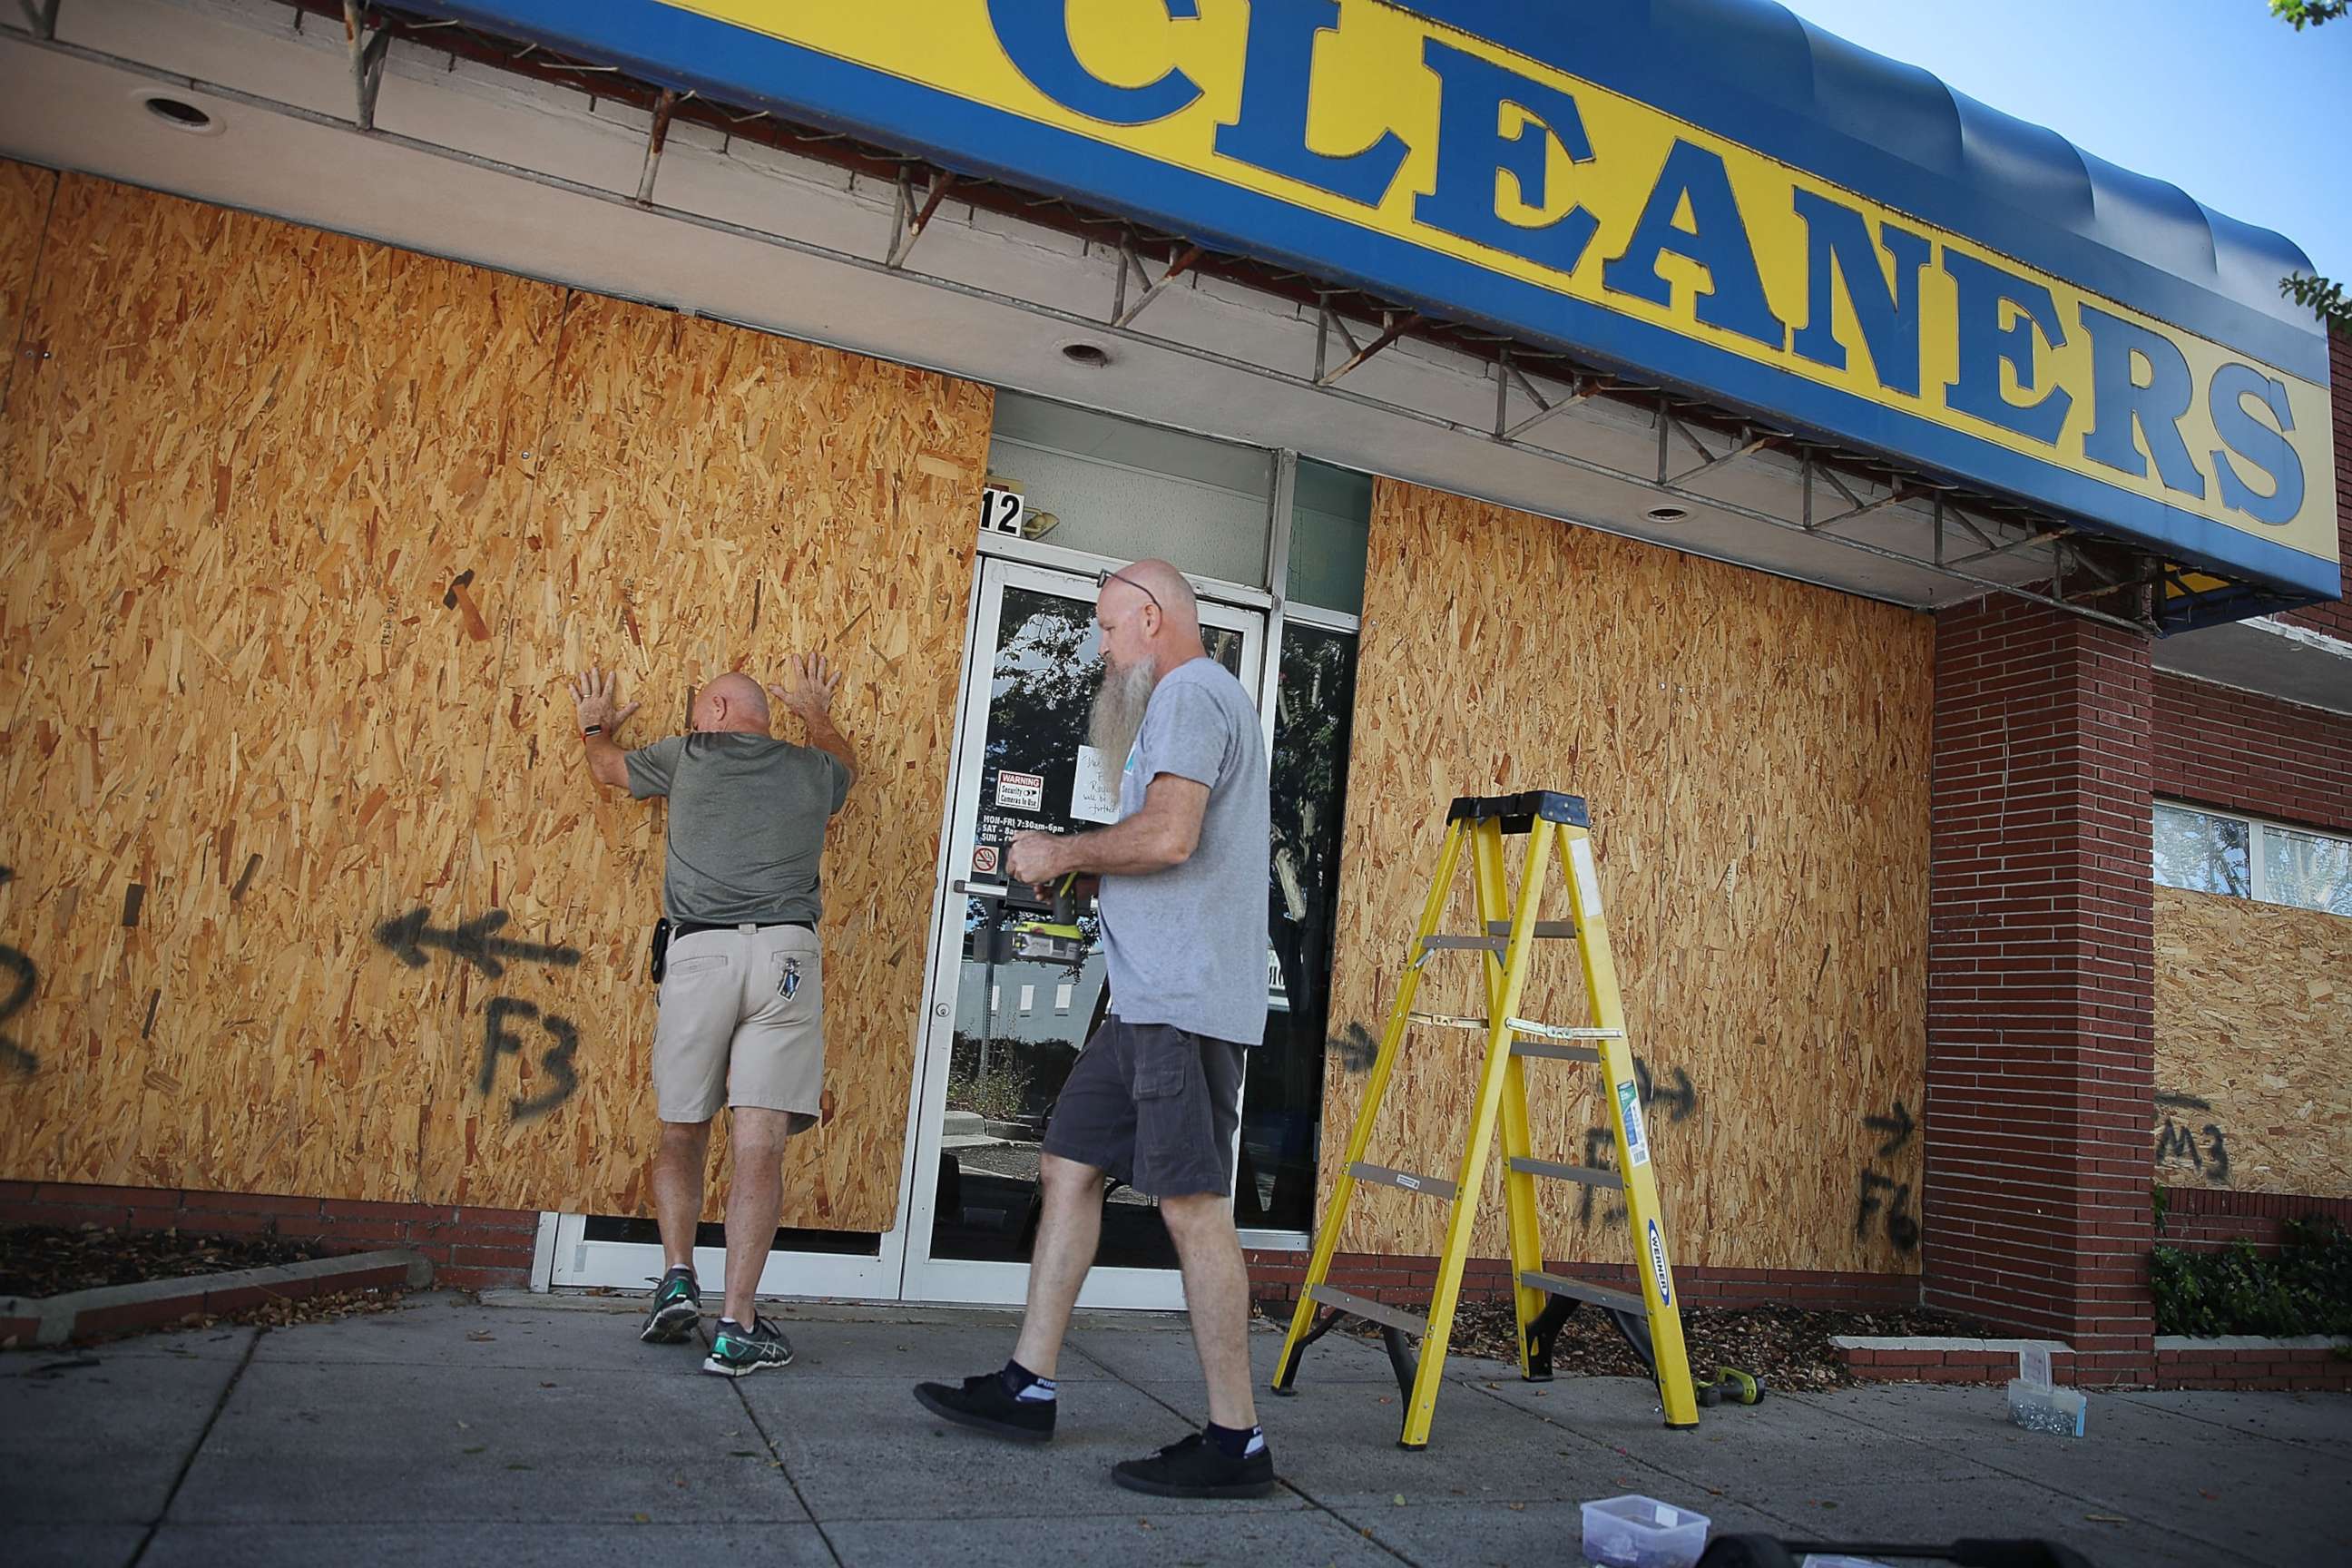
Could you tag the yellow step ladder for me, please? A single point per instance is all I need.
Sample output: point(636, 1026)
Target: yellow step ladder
point(1508, 931)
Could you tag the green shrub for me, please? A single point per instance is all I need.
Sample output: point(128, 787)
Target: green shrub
point(2305, 1290)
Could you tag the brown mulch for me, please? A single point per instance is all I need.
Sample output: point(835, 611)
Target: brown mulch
point(46, 1260)
point(1787, 1347)
point(289, 1311)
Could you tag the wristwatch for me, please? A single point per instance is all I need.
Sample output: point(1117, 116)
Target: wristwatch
point(592, 730)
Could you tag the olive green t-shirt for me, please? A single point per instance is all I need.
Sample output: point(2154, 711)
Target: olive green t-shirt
point(747, 817)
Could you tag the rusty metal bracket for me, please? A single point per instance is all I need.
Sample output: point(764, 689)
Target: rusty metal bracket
point(1505, 373)
point(1392, 327)
point(656, 138)
point(367, 60)
point(1184, 261)
point(908, 221)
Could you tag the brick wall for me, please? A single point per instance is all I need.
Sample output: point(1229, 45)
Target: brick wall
point(1276, 1277)
point(2040, 1038)
point(2204, 1217)
point(471, 1247)
point(2237, 751)
point(2335, 619)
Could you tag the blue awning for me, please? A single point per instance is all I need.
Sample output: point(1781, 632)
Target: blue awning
point(1758, 73)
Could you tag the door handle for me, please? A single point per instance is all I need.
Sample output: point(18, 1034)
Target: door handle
point(984, 889)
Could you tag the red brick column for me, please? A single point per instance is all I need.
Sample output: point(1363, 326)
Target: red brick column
point(2041, 1039)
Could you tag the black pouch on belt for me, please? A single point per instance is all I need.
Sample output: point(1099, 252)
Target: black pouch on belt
point(660, 949)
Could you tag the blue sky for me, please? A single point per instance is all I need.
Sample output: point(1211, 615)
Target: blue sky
point(2209, 95)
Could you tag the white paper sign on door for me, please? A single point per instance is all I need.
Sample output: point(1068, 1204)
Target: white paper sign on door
point(1094, 788)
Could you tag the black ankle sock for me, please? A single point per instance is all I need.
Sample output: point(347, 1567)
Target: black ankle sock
point(676, 1269)
point(1235, 1442)
point(1022, 1384)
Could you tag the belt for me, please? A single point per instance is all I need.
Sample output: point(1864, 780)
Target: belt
point(688, 927)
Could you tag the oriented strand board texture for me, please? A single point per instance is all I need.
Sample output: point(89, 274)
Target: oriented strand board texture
point(2253, 1046)
point(25, 193)
point(1755, 755)
point(254, 705)
point(237, 731)
point(712, 499)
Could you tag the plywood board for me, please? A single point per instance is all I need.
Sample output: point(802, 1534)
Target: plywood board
point(306, 535)
point(240, 728)
point(2253, 1046)
point(25, 195)
point(709, 499)
point(1755, 756)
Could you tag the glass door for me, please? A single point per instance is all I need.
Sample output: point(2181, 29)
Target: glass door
point(1011, 1005)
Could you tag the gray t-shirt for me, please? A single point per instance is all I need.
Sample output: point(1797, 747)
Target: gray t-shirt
point(1187, 945)
point(747, 819)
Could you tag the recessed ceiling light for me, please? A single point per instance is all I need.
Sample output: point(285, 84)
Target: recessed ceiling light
point(1667, 513)
point(178, 113)
point(1092, 356)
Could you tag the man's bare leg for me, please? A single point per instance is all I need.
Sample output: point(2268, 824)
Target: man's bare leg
point(679, 1161)
point(755, 1196)
point(1216, 1291)
point(1068, 1232)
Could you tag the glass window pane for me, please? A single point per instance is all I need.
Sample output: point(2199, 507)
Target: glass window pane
point(2309, 870)
point(2201, 852)
point(1128, 490)
point(1282, 1102)
point(1330, 526)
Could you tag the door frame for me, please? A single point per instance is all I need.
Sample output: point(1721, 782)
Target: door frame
point(925, 1277)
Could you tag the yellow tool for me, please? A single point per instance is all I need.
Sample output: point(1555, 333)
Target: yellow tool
point(1508, 931)
point(1058, 940)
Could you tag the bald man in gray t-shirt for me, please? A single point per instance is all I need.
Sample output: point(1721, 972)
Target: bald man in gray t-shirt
point(1155, 1097)
point(742, 997)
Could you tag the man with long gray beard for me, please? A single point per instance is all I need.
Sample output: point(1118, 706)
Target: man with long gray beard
point(1155, 1097)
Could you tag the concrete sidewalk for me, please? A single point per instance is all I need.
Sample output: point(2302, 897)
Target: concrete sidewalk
point(453, 1432)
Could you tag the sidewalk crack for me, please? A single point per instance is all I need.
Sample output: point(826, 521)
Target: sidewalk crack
point(196, 1447)
point(775, 1455)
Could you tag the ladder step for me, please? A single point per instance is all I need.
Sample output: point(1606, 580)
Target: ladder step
point(1519, 1026)
point(1472, 943)
point(1436, 1187)
point(1394, 1317)
point(1546, 931)
point(1554, 1053)
point(1598, 1295)
point(1555, 1032)
point(1590, 1176)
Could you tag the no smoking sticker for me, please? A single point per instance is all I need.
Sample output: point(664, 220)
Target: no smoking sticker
point(983, 860)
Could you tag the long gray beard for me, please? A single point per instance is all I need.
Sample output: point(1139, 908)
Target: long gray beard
point(1118, 709)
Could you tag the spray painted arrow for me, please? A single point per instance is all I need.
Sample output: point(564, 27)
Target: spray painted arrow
point(408, 936)
point(1898, 1128)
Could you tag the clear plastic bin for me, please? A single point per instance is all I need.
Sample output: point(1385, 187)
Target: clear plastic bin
point(1635, 1532)
point(2039, 1409)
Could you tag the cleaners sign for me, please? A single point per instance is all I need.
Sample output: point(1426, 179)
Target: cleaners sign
point(1450, 155)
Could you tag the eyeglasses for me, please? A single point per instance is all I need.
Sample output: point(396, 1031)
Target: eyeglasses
point(1106, 576)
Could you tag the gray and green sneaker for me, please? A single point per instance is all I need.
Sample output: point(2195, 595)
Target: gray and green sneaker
point(677, 1308)
point(739, 1352)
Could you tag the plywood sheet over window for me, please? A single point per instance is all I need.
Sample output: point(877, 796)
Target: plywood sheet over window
point(240, 727)
point(709, 499)
point(1755, 755)
point(2253, 1046)
point(304, 533)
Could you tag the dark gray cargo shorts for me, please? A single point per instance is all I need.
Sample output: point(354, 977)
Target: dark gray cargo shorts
point(1154, 1105)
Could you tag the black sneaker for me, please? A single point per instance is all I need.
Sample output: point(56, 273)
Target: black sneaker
point(677, 1308)
point(739, 1352)
point(982, 1401)
point(1198, 1468)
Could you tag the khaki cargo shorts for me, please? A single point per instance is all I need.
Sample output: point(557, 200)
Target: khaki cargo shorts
point(741, 1022)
